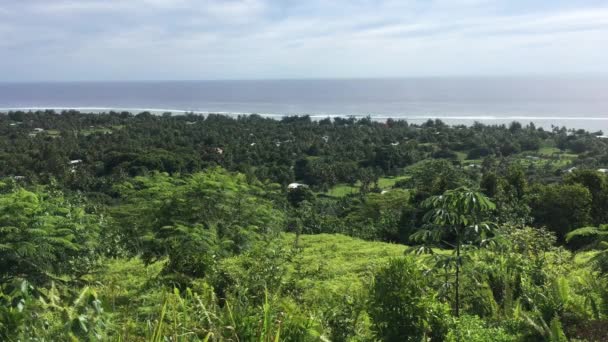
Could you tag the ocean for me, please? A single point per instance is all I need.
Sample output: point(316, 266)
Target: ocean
point(574, 102)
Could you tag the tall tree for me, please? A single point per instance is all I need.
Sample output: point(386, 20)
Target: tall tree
point(461, 213)
point(561, 208)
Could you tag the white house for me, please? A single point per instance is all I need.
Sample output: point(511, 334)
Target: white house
point(296, 185)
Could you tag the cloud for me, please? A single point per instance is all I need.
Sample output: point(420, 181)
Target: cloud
point(194, 39)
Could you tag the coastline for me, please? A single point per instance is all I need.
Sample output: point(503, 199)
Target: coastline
point(589, 123)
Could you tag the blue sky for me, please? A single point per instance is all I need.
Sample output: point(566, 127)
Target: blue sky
point(68, 40)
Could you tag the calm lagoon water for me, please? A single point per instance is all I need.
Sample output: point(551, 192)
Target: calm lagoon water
point(574, 102)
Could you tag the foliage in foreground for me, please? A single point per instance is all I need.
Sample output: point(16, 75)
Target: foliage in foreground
point(198, 256)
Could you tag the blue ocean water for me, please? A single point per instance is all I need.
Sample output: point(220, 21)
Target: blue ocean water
point(574, 102)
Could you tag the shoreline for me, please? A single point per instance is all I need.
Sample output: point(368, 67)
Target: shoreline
point(542, 121)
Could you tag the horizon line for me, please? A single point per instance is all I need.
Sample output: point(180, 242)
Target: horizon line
point(600, 75)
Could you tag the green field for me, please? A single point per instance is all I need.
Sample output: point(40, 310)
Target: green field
point(384, 183)
point(342, 190)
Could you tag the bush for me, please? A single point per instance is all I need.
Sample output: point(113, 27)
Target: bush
point(400, 307)
point(473, 329)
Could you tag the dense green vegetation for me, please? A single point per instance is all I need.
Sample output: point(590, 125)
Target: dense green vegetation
point(126, 227)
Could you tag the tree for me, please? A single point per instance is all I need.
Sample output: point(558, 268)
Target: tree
point(193, 220)
point(489, 184)
point(561, 208)
point(597, 184)
point(434, 176)
point(381, 215)
point(516, 181)
point(461, 213)
point(43, 235)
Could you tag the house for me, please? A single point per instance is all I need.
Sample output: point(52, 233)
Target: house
point(75, 162)
point(602, 170)
point(296, 185)
point(570, 170)
point(36, 131)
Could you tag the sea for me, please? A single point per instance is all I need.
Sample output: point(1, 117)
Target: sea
point(573, 102)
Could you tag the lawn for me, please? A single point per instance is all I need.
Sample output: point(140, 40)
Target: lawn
point(388, 182)
point(549, 151)
point(342, 190)
point(96, 130)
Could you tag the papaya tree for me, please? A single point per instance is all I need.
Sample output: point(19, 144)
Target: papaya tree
point(459, 214)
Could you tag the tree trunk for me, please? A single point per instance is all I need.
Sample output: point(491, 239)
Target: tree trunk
point(458, 275)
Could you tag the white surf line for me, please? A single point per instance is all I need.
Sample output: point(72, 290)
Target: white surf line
point(317, 115)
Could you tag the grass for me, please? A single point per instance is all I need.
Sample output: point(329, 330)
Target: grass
point(326, 267)
point(388, 182)
point(101, 130)
point(97, 130)
point(329, 265)
point(53, 133)
point(334, 264)
point(125, 287)
point(342, 190)
point(461, 156)
point(549, 151)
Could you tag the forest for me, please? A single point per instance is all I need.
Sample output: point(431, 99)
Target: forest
point(141, 227)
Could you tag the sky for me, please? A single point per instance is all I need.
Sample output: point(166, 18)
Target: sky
point(80, 40)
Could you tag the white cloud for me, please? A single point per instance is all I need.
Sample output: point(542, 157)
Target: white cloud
point(316, 38)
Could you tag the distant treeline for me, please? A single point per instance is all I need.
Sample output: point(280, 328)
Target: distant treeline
point(88, 152)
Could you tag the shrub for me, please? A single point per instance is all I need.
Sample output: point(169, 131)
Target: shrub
point(400, 307)
point(473, 329)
